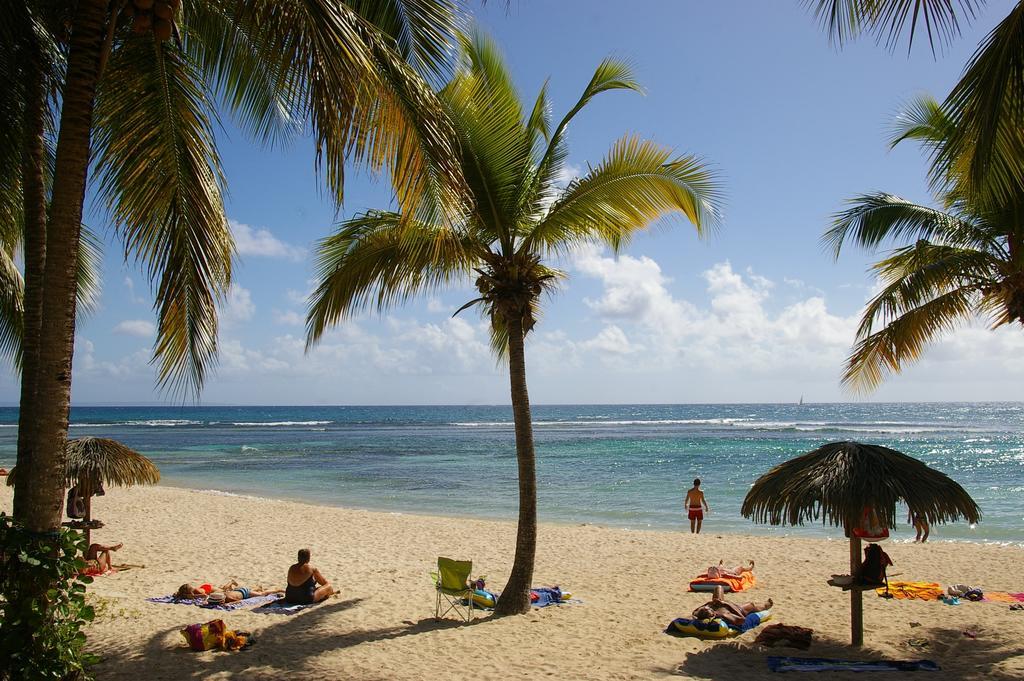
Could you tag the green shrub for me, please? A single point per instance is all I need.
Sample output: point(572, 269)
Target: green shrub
point(43, 609)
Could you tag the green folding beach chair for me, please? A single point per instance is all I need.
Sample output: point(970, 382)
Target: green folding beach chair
point(452, 584)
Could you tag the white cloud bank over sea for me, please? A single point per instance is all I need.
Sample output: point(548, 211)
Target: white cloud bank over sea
point(636, 340)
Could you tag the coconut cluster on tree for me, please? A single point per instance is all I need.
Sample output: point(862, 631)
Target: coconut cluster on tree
point(152, 15)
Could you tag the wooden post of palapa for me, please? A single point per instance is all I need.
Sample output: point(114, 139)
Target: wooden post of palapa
point(87, 490)
point(856, 593)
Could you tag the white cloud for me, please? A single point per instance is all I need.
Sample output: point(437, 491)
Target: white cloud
point(289, 318)
point(239, 306)
point(611, 340)
point(136, 327)
point(567, 174)
point(130, 285)
point(261, 242)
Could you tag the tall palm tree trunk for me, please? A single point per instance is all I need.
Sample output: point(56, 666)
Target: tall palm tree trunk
point(40, 499)
point(515, 598)
point(34, 216)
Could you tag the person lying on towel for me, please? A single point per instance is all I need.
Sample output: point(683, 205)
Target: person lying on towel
point(721, 572)
point(731, 613)
point(229, 593)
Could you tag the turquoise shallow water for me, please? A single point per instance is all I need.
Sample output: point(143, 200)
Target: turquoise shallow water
point(620, 465)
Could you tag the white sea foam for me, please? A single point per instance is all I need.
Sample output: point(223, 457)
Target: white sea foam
point(635, 422)
point(280, 423)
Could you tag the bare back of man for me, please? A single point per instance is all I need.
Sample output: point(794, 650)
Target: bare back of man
point(696, 504)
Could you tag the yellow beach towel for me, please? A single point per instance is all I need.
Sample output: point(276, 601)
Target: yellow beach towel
point(925, 591)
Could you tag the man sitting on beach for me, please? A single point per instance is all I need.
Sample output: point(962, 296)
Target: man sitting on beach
point(731, 613)
point(305, 583)
point(694, 500)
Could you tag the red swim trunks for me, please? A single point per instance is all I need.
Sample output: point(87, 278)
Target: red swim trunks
point(696, 513)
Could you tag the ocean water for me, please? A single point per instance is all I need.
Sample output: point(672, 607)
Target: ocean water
point(617, 465)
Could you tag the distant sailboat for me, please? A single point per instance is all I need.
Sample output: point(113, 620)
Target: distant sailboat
point(801, 402)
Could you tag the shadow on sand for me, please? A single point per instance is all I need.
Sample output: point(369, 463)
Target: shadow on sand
point(959, 657)
point(280, 649)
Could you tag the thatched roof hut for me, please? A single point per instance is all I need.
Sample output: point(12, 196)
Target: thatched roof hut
point(837, 482)
point(100, 461)
point(95, 462)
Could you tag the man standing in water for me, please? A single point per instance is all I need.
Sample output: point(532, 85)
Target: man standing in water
point(694, 500)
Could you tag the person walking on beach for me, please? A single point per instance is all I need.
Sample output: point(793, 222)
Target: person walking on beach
point(694, 500)
point(920, 523)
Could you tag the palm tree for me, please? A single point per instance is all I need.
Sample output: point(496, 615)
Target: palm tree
point(960, 261)
point(136, 85)
point(140, 107)
point(515, 218)
point(986, 105)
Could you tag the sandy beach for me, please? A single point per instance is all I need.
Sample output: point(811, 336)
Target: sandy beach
point(632, 584)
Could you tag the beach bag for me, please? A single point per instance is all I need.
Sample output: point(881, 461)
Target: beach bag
point(205, 636)
point(872, 571)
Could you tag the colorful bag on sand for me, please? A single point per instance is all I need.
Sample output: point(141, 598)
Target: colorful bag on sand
point(205, 636)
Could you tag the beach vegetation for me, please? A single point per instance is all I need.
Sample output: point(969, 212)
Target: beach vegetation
point(958, 262)
point(127, 95)
point(506, 235)
point(42, 603)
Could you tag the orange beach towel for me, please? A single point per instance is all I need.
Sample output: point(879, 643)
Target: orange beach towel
point(745, 581)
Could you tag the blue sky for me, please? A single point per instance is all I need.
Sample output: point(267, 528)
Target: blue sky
point(756, 313)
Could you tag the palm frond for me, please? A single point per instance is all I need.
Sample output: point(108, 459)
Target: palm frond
point(903, 339)
point(929, 289)
point(12, 321)
point(90, 272)
point(890, 20)
point(158, 172)
point(610, 74)
point(873, 219)
point(496, 147)
point(924, 120)
point(378, 259)
point(363, 101)
point(424, 31)
point(987, 106)
point(263, 97)
point(637, 183)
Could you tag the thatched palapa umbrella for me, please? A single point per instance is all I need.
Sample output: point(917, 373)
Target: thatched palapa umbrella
point(93, 462)
point(837, 482)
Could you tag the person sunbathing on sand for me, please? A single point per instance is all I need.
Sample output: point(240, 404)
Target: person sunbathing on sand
point(729, 612)
point(718, 572)
point(305, 583)
point(98, 556)
point(231, 591)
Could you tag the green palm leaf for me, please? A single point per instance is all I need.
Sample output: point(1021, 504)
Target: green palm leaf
point(379, 259)
point(158, 171)
point(873, 219)
point(635, 185)
point(891, 19)
point(904, 338)
point(987, 105)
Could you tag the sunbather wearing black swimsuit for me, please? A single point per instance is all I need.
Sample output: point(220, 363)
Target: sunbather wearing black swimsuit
point(302, 594)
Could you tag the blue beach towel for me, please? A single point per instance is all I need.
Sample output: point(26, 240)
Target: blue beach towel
point(546, 596)
point(824, 664)
point(201, 602)
point(281, 607)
